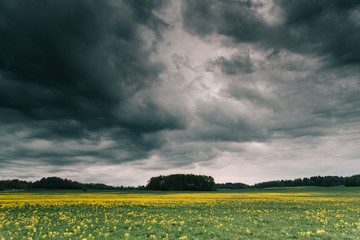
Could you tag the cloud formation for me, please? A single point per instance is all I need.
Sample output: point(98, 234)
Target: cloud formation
point(328, 30)
point(75, 70)
point(242, 90)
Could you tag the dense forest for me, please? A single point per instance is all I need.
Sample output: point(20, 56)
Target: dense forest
point(352, 181)
point(184, 182)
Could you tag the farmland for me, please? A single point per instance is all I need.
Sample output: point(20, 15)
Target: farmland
point(282, 213)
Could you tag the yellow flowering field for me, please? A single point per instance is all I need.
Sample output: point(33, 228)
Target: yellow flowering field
point(169, 215)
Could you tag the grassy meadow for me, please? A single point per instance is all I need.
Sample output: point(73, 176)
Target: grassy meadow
point(278, 213)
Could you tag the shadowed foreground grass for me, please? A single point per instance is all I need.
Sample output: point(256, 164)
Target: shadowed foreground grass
point(281, 213)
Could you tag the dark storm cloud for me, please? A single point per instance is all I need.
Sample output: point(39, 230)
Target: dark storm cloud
point(74, 69)
point(75, 60)
point(237, 64)
point(235, 18)
point(327, 29)
point(122, 90)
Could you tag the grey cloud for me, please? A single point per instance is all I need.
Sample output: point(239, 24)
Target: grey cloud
point(186, 154)
point(237, 64)
point(326, 29)
point(134, 89)
point(143, 12)
point(249, 94)
point(199, 17)
point(217, 120)
point(73, 71)
point(232, 18)
point(21, 142)
point(80, 60)
point(303, 101)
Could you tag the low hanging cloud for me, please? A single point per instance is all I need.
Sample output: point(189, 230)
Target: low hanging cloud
point(157, 87)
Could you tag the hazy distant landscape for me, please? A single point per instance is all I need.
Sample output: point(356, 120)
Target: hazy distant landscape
point(179, 182)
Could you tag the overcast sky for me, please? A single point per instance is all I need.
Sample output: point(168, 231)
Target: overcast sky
point(118, 91)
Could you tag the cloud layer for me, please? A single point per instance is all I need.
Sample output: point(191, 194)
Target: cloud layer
point(119, 91)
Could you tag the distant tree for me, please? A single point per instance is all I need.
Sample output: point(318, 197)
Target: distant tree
point(181, 182)
point(352, 181)
point(307, 182)
point(57, 183)
point(14, 184)
point(327, 181)
point(230, 185)
point(298, 182)
point(141, 187)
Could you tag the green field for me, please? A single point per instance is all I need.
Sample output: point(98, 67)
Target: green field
point(276, 213)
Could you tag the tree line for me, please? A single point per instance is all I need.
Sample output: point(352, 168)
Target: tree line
point(180, 182)
point(352, 181)
point(55, 183)
point(230, 185)
point(325, 181)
